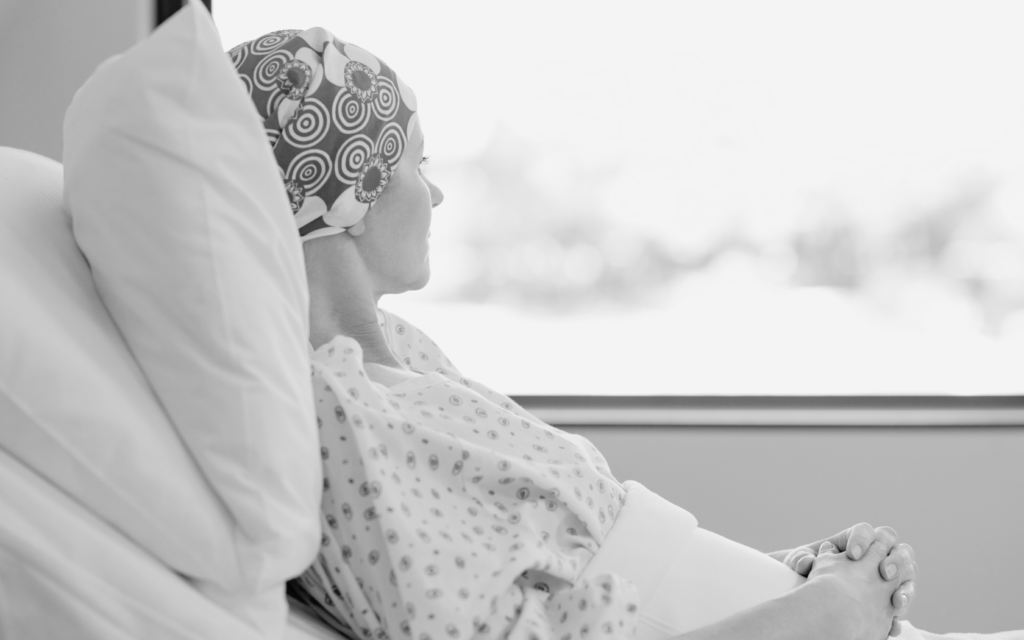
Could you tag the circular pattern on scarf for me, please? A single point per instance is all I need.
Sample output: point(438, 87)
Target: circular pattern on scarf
point(348, 113)
point(265, 74)
point(293, 79)
point(314, 92)
point(361, 81)
point(274, 100)
point(309, 126)
point(352, 155)
point(311, 168)
point(372, 179)
point(385, 105)
point(391, 143)
point(273, 40)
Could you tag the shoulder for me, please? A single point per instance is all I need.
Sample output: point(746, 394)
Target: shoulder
point(413, 346)
point(421, 354)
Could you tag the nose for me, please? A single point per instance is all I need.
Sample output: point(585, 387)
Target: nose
point(436, 195)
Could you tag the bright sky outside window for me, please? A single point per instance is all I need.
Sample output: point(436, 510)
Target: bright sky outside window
point(712, 198)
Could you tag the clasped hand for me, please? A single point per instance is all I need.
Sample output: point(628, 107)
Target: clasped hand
point(896, 564)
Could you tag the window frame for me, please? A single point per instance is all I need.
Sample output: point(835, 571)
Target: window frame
point(777, 411)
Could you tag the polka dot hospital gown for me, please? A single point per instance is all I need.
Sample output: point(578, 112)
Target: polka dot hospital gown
point(450, 512)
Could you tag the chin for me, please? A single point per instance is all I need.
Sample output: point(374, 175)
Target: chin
point(411, 281)
point(422, 280)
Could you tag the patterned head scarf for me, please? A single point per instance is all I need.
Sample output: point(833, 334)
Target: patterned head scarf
point(338, 120)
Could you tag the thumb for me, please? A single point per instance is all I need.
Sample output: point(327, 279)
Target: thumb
point(803, 563)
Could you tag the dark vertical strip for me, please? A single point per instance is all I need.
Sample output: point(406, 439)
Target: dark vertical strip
point(166, 8)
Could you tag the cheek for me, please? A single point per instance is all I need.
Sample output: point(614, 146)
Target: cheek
point(428, 206)
point(421, 210)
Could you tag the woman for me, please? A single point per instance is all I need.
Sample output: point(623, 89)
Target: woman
point(448, 511)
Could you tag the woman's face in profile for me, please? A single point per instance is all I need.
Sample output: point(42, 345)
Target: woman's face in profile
point(394, 245)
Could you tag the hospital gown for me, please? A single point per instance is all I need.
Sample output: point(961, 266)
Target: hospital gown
point(450, 512)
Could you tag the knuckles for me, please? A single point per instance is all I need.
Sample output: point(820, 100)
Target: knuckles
point(904, 557)
point(887, 535)
point(861, 533)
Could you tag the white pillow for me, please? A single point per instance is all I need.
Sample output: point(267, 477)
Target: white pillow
point(74, 405)
point(177, 204)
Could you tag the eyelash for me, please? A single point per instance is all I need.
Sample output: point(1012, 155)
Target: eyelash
point(425, 160)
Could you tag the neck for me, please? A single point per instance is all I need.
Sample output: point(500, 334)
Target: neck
point(343, 302)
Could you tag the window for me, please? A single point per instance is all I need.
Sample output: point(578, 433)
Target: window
point(716, 198)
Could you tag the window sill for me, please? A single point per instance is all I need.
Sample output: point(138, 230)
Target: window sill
point(778, 411)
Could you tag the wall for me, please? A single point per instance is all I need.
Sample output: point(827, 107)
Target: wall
point(48, 49)
point(956, 495)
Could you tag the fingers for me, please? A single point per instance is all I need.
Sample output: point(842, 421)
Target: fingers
point(903, 596)
point(900, 562)
point(800, 560)
point(877, 551)
point(827, 547)
point(855, 540)
point(896, 629)
point(885, 540)
point(887, 535)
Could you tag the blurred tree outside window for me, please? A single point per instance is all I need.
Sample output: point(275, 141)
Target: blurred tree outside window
point(712, 198)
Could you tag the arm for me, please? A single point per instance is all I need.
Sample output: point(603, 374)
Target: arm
point(807, 612)
point(842, 599)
